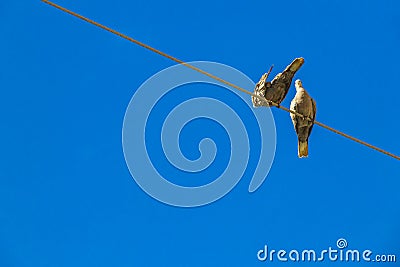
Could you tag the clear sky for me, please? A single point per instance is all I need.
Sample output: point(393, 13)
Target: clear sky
point(66, 195)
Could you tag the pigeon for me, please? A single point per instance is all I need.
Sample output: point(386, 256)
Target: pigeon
point(277, 89)
point(302, 103)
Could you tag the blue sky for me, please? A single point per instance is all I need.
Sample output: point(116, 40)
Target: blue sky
point(66, 195)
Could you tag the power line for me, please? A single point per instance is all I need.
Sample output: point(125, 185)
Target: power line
point(270, 103)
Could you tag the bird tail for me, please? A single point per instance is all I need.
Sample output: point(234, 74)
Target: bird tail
point(302, 149)
point(296, 64)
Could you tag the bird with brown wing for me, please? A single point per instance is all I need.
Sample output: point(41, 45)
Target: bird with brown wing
point(277, 89)
point(303, 104)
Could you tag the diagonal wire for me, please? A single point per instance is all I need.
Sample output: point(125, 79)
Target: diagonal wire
point(267, 102)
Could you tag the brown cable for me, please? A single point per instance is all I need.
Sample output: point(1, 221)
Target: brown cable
point(270, 103)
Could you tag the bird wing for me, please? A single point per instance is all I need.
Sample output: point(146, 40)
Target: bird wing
point(259, 90)
point(295, 119)
point(314, 113)
point(280, 86)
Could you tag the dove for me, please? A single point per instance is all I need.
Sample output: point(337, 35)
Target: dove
point(277, 89)
point(302, 103)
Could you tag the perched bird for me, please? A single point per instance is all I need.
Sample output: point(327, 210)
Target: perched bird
point(305, 105)
point(277, 89)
